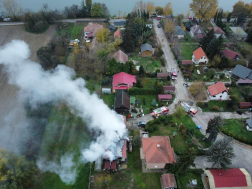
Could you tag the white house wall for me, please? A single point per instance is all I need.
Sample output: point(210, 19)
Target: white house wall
point(201, 60)
point(220, 96)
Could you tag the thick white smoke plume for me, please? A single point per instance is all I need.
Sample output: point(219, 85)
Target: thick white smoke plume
point(39, 86)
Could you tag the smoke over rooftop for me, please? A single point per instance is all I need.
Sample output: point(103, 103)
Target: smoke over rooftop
point(39, 86)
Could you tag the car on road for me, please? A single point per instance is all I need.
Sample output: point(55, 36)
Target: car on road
point(141, 124)
point(158, 26)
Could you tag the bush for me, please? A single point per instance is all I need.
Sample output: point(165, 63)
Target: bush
point(151, 108)
point(106, 81)
point(157, 70)
point(230, 103)
point(200, 104)
point(233, 84)
point(222, 76)
point(168, 78)
point(173, 125)
point(206, 104)
point(234, 97)
point(134, 110)
point(86, 76)
point(182, 127)
point(215, 108)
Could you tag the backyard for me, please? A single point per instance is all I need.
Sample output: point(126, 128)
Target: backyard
point(108, 99)
point(186, 50)
point(147, 99)
point(236, 129)
point(190, 175)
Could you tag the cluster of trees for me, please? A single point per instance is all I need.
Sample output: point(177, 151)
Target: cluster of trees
point(112, 67)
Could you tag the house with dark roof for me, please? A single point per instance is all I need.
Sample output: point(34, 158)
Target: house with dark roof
point(169, 89)
point(230, 54)
point(217, 32)
point(162, 75)
point(123, 81)
point(179, 32)
point(121, 57)
point(156, 152)
point(122, 102)
point(120, 24)
point(118, 33)
point(230, 178)
point(217, 91)
point(111, 28)
point(146, 50)
point(199, 56)
point(168, 181)
point(197, 32)
point(242, 72)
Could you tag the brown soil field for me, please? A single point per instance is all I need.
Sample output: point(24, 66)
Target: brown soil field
point(13, 123)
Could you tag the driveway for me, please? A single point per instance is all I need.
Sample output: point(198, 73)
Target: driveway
point(243, 153)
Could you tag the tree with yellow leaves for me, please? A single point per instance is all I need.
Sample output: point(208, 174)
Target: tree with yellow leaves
point(183, 27)
point(168, 9)
point(204, 9)
point(169, 27)
point(124, 15)
point(159, 10)
point(188, 13)
point(118, 41)
point(150, 7)
point(102, 35)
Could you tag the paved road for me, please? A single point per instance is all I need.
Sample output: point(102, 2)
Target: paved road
point(11, 23)
point(243, 153)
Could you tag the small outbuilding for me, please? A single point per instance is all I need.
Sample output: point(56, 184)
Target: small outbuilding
point(218, 32)
point(164, 97)
point(230, 54)
point(122, 102)
point(179, 32)
point(187, 62)
point(168, 181)
point(197, 32)
point(120, 24)
point(244, 105)
point(239, 33)
point(249, 124)
point(146, 50)
point(121, 57)
point(217, 91)
point(162, 75)
point(169, 89)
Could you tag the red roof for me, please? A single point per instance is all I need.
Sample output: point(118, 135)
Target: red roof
point(124, 150)
point(123, 78)
point(169, 181)
point(93, 28)
point(169, 88)
point(121, 57)
point(162, 75)
point(113, 165)
point(230, 54)
point(245, 104)
point(244, 81)
point(230, 178)
point(199, 53)
point(217, 88)
point(90, 34)
point(187, 62)
point(164, 96)
point(217, 30)
point(118, 33)
point(157, 149)
point(106, 165)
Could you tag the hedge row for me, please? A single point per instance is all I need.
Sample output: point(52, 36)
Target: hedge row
point(142, 91)
point(236, 137)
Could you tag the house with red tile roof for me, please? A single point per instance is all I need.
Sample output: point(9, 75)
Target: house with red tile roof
point(187, 62)
point(168, 181)
point(123, 81)
point(232, 178)
point(217, 31)
point(156, 151)
point(217, 91)
point(230, 54)
point(118, 33)
point(197, 32)
point(91, 28)
point(199, 56)
point(121, 57)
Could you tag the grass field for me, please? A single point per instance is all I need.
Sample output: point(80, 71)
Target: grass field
point(64, 133)
point(236, 129)
point(187, 51)
point(108, 99)
point(191, 174)
point(148, 100)
point(189, 39)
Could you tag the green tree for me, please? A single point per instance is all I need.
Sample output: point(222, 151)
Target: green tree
point(241, 19)
point(214, 47)
point(206, 40)
point(229, 17)
point(158, 87)
point(249, 38)
point(188, 25)
point(159, 10)
point(180, 112)
point(96, 10)
point(221, 153)
point(89, 6)
point(141, 71)
point(213, 128)
point(180, 18)
point(186, 160)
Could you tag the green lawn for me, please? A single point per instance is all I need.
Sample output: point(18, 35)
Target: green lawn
point(68, 29)
point(149, 63)
point(108, 99)
point(148, 100)
point(64, 133)
point(220, 103)
point(190, 40)
point(236, 92)
point(78, 30)
point(179, 142)
point(187, 51)
point(236, 128)
point(190, 175)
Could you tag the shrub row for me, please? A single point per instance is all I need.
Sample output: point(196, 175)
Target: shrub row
point(236, 136)
point(142, 91)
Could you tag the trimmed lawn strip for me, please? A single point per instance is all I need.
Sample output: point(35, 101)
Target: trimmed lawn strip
point(78, 31)
point(108, 99)
point(187, 51)
point(236, 129)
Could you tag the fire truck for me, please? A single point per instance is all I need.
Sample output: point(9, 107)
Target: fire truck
point(160, 111)
point(190, 110)
point(173, 73)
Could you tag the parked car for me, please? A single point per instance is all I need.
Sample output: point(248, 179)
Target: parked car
point(158, 26)
point(141, 124)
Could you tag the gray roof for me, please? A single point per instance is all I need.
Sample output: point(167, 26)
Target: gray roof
point(179, 31)
point(249, 122)
point(112, 27)
point(242, 71)
point(145, 47)
point(239, 31)
point(120, 23)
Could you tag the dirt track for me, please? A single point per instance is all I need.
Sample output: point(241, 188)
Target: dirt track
point(12, 112)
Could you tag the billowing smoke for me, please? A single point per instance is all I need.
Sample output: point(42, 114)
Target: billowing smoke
point(39, 86)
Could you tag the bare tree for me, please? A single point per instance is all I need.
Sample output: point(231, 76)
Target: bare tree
point(12, 8)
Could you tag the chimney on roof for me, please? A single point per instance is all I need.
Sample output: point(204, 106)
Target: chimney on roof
point(219, 174)
point(158, 146)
